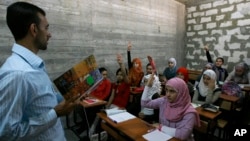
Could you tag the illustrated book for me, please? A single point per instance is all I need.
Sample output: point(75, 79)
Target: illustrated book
point(81, 79)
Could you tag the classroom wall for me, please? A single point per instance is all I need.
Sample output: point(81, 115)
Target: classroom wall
point(103, 28)
point(224, 25)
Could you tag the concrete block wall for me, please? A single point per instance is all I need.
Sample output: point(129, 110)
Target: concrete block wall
point(103, 28)
point(225, 26)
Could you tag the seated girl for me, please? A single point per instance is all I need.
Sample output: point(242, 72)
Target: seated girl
point(207, 91)
point(103, 89)
point(240, 74)
point(182, 73)
point(177, 116)
point(154, 85)
point(135, 69)
point(170, 71)
point(121, 89)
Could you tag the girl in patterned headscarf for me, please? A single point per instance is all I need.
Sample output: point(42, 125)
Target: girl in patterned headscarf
point(207, 90)
point(177, 116)
point(240, 74)
point(170, 71)
point(135, 69)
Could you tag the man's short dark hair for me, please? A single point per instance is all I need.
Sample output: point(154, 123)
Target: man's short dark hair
point(220, 59)
point(20, 15)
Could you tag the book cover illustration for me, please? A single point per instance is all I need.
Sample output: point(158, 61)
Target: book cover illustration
point(81, 79)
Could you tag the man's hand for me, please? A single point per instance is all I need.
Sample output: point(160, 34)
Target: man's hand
point(66, 106)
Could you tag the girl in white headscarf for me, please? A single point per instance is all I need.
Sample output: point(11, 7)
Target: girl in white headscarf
point(170, 70)
point(153, 92)
point(207, 90)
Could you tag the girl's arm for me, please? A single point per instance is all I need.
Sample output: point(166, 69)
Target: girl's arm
point(195, 98)
point(111, 98)
point(122, 66)
point(130, 65)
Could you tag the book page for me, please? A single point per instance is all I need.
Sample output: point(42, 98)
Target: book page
point(156, 135)
point(120, 117)
point(114, 111)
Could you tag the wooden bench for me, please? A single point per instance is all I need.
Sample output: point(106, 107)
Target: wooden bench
point(193, 75)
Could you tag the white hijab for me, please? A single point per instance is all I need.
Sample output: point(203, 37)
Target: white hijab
point(203, 89)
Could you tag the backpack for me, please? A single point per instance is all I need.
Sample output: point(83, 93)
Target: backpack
point(232, 88)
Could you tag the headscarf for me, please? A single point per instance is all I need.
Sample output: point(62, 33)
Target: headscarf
point(136, 73)
point(173, 61)
point(170, 72)
point(203, 89)
point(181, 106)
point(243, 79)
point(184, 72)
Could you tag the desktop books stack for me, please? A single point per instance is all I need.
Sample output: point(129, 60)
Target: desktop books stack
point(81, 79)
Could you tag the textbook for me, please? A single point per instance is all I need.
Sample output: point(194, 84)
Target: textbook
point(81, 79)
point(156, 135)
point(118, 115)
point(90, 100)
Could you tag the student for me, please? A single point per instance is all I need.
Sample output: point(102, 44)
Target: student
point(163, 81)
point(103, 89)
point(207, 90)
point(30, 106)
point(170, 71)
point(208, 66)
point(149, 70)
point(154, 90)
point(177, 115)
point(121, 89)
point(221, 73)
point(240, 74)
point(182, 73)
point(135, 69)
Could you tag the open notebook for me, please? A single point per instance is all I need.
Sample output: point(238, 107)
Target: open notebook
point(156, 135)
point(118, 115)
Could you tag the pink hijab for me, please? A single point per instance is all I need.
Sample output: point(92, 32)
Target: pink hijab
point(181, 106)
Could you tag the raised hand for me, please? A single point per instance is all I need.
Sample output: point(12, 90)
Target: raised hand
point(119, 58)
point(129, 45)
point(206, 47)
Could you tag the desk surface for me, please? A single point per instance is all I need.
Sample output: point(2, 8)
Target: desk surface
point(229, 98)
point(207, 114)
point(133, 128)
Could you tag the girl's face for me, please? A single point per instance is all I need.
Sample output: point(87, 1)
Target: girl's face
point(149, 69)
point(171, 94)
point(239, 71)
point(163, 80)
point(136, 65)
point(119, 76)
point(206, 79)
point(104, 74)
point(170, 64)
point(180, 75)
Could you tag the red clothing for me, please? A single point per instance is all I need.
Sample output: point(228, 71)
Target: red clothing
point(103, 90)
point(122, 92)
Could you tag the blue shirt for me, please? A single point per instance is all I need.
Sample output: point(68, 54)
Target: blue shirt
point(27, 100)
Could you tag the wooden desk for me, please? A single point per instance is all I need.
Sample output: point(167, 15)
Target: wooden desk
point(132, 129)
point(209, 117)
point(85, 105)
point(231, 99)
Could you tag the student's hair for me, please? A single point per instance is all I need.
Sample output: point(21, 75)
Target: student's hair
point(220, 59)
point(102, 69)
point(148, 65)
point(121, 70)
point(20, 15)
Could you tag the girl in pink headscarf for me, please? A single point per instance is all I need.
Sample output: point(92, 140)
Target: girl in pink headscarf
point(177, 115)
